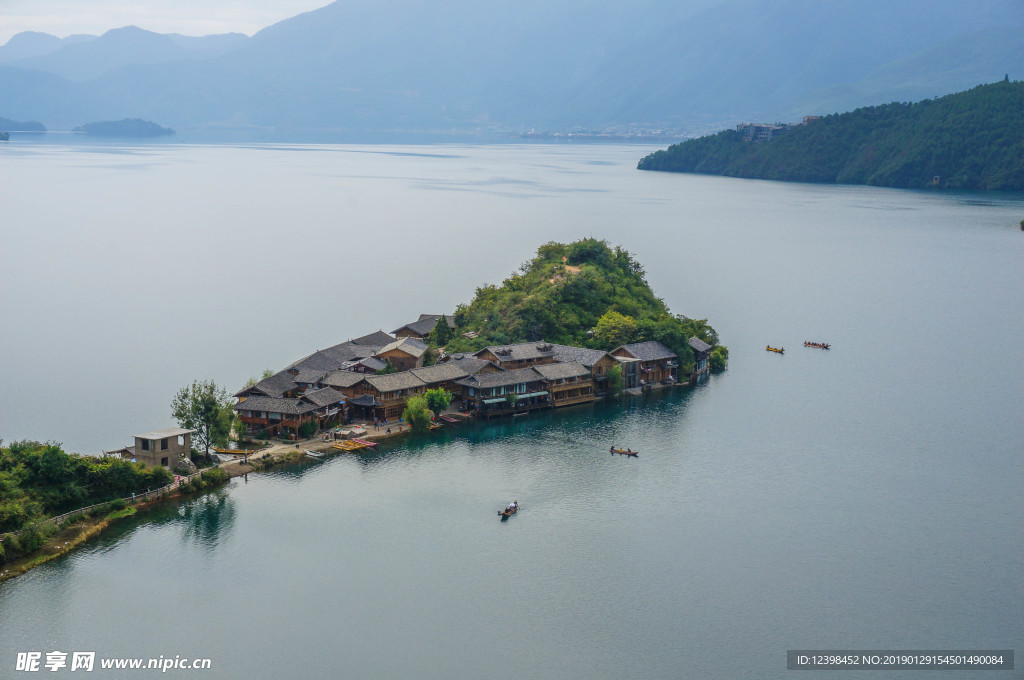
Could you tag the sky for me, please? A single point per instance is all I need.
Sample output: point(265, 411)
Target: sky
point(187, 17)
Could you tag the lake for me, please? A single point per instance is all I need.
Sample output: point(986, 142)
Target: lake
point(865, 497)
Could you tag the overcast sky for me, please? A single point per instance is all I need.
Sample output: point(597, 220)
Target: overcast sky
point(188, 17)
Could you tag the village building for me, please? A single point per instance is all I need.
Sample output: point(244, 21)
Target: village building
point(471, 364)
point(567, 383)
point(403, 354)
point(330, 406)
point(519, 355)
point(701, 352)
point(376, 339)
point(274, 416)
point(422, 327)
point(598, 361)
point(164, 448)
point(390, 393)
point(442, 376)
point(655, 363)
point(500, 393)
point(278, 385)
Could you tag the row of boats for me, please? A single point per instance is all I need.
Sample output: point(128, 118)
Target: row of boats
point(781, 350)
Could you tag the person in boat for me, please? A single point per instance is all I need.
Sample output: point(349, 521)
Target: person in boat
point(512, 507)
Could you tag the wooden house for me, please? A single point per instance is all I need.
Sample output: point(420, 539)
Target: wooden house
point(701, 352)
point(504, 392)
point(403, 354)
point(567, 383)
point(275, 416)
point(519, 355)
point(390, 392)
point(656, 363)
point(598, 361)
point(422, 327)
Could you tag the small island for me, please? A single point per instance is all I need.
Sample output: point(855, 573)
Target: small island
point(576, 323)
point(133, 128)
point(21, 125)
point(969, 140)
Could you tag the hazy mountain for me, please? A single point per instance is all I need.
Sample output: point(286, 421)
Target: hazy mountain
point(34, 44)
point(124, 47)
point(367, 67)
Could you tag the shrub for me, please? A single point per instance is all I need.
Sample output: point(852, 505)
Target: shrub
point(719, 359)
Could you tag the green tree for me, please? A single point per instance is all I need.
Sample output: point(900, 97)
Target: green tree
point(417, 413)
point(512, 400)
point(615, 380)
point(388, 368)
point(614, 329)
point(207, 409)
point(438, 399)
point(442, 333)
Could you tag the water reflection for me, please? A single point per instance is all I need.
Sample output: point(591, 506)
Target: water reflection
point(208, 519)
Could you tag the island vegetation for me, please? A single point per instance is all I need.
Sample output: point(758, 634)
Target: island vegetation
point(39, 480)
point(21, 125)
point(134, 128)
point(586, 294)
point(968, 140)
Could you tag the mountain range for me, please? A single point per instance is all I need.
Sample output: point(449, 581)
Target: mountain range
point(365, 70)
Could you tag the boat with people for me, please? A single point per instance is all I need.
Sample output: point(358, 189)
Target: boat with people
point(510, 509)
point(624, 452)
point(779, 350)
point(819, 345)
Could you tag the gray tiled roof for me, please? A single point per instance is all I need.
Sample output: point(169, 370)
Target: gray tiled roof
point(652, 350)
point(291, 407)
point(403, 380)
point(310, 376)
point(520, 351)
point(513, 377)
point(410, 346)
point(376, 339)
point(341, 378)
point(469, 363)
point(372, 363)
point(570, 369)
point(698, 345)
point(425, 324)
point(584, 355)
point(324, 397)
point(364, 400)
point(439, 372)
point(274, 386)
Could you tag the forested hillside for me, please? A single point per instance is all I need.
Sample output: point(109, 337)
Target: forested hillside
point(583, 293)
point(968, 140)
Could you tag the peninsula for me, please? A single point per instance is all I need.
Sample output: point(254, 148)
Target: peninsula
point(134, 128)
point(969, 140)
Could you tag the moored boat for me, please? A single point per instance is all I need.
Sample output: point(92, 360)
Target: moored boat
point(314, 454)
point(449, 419)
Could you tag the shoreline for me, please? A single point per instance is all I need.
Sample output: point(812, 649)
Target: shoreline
point(81, 531)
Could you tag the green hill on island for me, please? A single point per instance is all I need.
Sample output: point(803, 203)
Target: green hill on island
point(968, 140)
point(129, 127)
point(585, 294)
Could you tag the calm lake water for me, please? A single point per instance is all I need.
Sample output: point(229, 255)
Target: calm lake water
point(868, 497)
